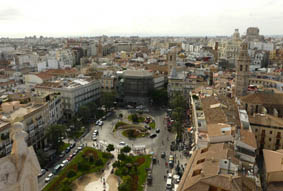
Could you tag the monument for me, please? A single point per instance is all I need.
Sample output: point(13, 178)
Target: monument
point(19, 170)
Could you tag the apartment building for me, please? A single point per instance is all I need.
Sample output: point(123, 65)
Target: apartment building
point(75, 92)
point(217, 119)
point(36, 115)
point(215, 168)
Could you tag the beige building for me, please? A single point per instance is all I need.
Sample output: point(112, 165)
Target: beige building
point(265, 110)
point(273, 166)
point(268, 131)
point(215, 168)
point(36, 116)
point(229, 49)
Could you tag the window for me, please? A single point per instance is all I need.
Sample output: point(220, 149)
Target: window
point(270, 132)
point(200, 161)
point(241, 67)
point(196, 172)
point(204, 150)
point(269, 139)
point(256, 130)
point(246, 68)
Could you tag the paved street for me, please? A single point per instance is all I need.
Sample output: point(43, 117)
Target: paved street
point(156, 145)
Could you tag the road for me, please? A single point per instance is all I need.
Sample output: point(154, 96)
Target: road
point(156, 145)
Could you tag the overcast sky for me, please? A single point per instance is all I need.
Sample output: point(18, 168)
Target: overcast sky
point(19, 18)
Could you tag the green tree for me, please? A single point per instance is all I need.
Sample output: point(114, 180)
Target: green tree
point(122, 157)
point(110, 148)
point(71, 174)
point(54, 134)
point(126, 149)
point(84, 113)
point(159, 97)
point(108, 99)
point(99, 162)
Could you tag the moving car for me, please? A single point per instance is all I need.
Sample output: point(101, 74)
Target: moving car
point(122, 143)
point(96, 132)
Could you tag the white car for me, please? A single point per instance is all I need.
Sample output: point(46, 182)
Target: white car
point(65, 162)
point(97, 122)
point(94, 138)
point(122, 143)
point(80, 148)
point(48, 178)
point(100, 123)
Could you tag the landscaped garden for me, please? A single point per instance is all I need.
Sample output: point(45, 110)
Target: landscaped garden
point(134, 133)
point(132, 171)
point(87, 161)
point(136, 118)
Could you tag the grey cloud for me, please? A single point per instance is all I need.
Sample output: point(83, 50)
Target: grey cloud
point(8, 14)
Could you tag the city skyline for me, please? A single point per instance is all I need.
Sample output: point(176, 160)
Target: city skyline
point(158, 18)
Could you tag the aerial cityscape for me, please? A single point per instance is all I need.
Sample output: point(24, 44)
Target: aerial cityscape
point(148, 96)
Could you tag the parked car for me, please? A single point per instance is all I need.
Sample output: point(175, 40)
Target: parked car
point(80, 148)
point(70, 157)
point(62, 154)
point(103, 118)
point(68, 149)
point(163, 155)
point(48, 178)
point(75, 153)
point(42, 172)
point(100, 123)
point(157, 130)
point(73, 145)
point(97, 122)
point(152, 135)
point(94, 138)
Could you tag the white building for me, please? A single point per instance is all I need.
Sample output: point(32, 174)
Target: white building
point(75, 92)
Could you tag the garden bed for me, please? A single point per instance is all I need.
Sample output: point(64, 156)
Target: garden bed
point(134, 133)
point(132, 171)
point(89, 160)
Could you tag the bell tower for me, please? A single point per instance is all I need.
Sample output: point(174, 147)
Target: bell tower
point(171, 60)
point(242, 71)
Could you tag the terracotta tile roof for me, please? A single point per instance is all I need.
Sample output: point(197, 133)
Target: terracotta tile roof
point(212, 115)
point(248, 138)
point(209, 168)
point(44, 76)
